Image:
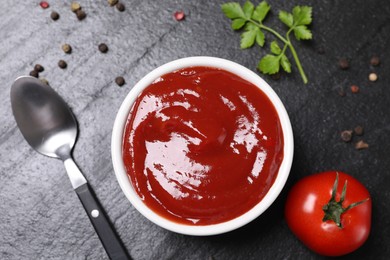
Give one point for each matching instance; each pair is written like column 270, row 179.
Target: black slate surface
column 41, row 217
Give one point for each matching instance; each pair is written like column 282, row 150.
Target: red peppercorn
column 179, row 15
column 44, row 4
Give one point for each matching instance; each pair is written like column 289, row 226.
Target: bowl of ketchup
column 202, row 146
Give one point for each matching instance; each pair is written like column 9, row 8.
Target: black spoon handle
column 110, row 240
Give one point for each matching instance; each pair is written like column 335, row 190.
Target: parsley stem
column 287, row 42
column 297, row 61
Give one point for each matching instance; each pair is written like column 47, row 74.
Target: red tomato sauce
column 202, row 146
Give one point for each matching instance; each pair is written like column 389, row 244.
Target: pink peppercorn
column 354, row 89
column 179, row 15
column 44, row 4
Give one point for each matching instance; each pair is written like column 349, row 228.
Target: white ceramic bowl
column 118, row 131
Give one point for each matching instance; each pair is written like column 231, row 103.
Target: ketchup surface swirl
column 202, row 146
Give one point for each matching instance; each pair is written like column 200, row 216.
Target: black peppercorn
column 80, row 14
column 343, row 63
column 62, row 64
column 54, row 15
column 120, row 7
column 120, row 81
column 103, row 48
column 359, row 130
column 34, row 73
column 375, row 61
column 39, row 68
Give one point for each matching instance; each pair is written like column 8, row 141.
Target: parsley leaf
column 269, row 64
column 286, row 18
column 261, row 11
column 275, row 49
column 302, row 15
column 285, row 63
column 248, row 38
column 250, row 18
column 302, row 33
column 248, row 8
column 238, row 23
column 233, row 10
column 260, row 38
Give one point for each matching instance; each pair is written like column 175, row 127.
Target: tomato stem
column 333, row 209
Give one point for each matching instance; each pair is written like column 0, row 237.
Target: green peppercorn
column 67, row 48
column 75, row 7
column 44, row 81
column 112, row 2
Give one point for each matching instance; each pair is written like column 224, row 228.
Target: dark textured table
column 40, row 215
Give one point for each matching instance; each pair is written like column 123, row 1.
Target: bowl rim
column 201, row 230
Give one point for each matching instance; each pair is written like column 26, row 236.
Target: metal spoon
column 49, row 126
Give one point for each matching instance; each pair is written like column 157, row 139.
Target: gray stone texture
column 40, row 215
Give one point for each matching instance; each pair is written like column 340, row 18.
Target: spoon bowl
column 43, row 117
column 48, row 125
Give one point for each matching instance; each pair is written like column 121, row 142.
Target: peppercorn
column 66, row 48
column 346, row 135
column 62, row 64
column 44, row 81
column 359, row 130
column 75, row 7
column 80, row 14
column 354, row 89
column 120, row 7
column 54, row 16
column 120, row 81
column 44, row 4
column 39, row 68
column 112, row 2
column 373, row 77
column 34, row 73
column 375, row 61
column 361, row 145
column 179, row 15
column 103, row 48
column 343, row 63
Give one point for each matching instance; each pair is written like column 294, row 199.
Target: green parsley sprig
column 250, row 19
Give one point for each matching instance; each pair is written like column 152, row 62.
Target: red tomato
column 305, row 210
